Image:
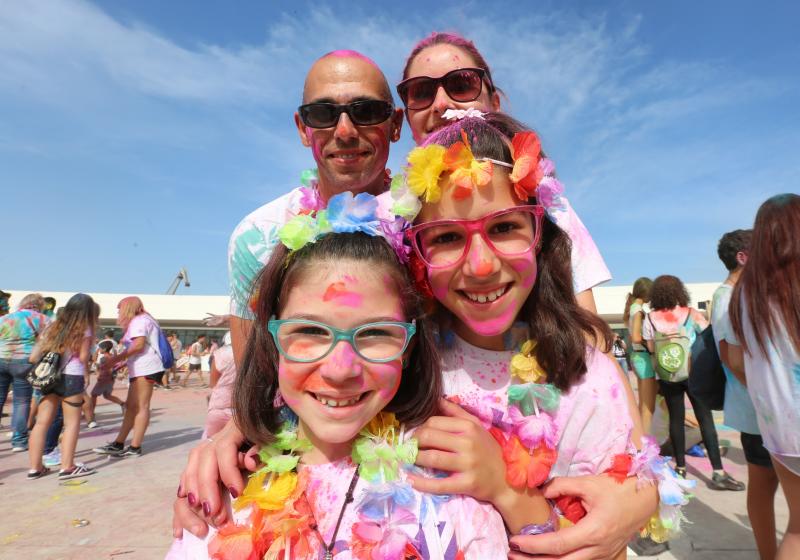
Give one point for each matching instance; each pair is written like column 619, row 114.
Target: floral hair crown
column 346, row 213
column 531, row 173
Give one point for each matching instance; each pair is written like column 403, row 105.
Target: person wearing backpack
column 669, row 331
column 66, row 345
column 142, row 340
column 740, row 414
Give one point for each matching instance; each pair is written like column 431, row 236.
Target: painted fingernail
column 207, row 508
column 513, row 546
column 233, row 492
column 192, row 499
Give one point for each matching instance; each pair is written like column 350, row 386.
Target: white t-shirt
column 592, row 420
column 634, row 309
column 194, row 353
column 148, row 360
column 254, row 239
column 739, row 412
column 773, row 381
column 74, row 364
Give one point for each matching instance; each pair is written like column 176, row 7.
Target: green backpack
column 673, row 352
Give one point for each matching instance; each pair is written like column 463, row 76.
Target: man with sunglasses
column 348, row 120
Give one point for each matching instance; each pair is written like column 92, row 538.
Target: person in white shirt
column 145, row 369
column 766, row 341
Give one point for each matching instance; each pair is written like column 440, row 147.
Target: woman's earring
column 404, row 363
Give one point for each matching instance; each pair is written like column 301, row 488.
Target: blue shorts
column 642, row 365
column 67, row 386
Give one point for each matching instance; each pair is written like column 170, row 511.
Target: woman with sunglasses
column 446, row 71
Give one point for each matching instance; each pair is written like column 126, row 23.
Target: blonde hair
column 34, row 302
column 69, row 329
column 129, row 308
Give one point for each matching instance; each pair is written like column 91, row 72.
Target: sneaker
column 725, row 481
column 109, row 448
column 19, row 448
column 77, row 471
column 696, row 451
column 33, row 475
column 92, row 424
column 645, row 546
column 127, row 452
column 52, row 459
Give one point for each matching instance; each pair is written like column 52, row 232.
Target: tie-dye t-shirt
column 592, row 422
column 256, row 235
column 773, row 381
column 18, row 332
column 452, row 528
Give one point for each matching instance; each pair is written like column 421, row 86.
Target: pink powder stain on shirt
column 338, row 293
column 615, row 388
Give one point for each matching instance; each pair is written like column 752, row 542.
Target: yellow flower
column 425, row 168
column 525, row 366
column 273, row 497
column 383, row 426
column 466, row 172
column 655, row 530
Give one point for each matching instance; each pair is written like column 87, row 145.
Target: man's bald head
column 346, row 67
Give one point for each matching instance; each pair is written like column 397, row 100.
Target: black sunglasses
column 462, row 85
column 326, row 115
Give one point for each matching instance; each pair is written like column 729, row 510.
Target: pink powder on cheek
column 525, row 265
column 385, row 378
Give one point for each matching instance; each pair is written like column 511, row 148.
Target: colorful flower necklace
column 282, row 524
column 529, row 451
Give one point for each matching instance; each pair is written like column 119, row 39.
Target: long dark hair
column 770, row 282
column 257, row 382
column 69, row 329
column 560, row 326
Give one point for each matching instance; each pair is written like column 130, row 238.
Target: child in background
column 105, row 378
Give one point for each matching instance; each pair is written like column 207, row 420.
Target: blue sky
column 135, row 134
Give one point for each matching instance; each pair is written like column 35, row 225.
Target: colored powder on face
column 492, row 327
column 336, row 292
column 484, row 268
column 342, row 360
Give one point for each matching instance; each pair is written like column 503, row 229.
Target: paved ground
column 128, row 503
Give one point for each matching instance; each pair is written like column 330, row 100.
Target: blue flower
column 349, row 214
column 380, row 499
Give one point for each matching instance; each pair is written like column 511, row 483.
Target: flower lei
column 345, row 213
column 281, row 522
column 529, row 451
column 531, row 174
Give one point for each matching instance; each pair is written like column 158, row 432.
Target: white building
column 185, row 313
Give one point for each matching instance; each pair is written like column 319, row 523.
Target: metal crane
column 183, row 275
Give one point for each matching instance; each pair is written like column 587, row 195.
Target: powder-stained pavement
column 128, row 503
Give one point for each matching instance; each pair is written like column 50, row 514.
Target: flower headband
column 346, row 213
column 531, row 174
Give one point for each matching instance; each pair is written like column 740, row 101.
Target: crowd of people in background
column 46, row 423
column 756, row 331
